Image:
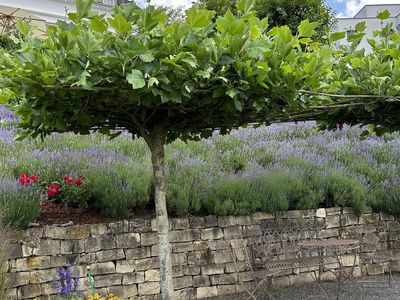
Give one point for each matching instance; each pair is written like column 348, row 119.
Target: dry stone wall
column 122, row 256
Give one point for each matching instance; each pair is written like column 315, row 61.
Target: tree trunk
column 156, row 143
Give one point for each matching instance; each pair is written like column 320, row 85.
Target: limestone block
column 222, row 256
column 320, row 213
column 125, row 266
column 200, row 258
column 98, row 229
column 103, row 268
column 226, row 289
column 385, row 217
column 201, row 280
column 124, row 291
column 17, row 279
column 88, row 258
column 326, row 233
column 55, row 232
column 139, row 226
column 149, row 288
column 374, row 269
column 211, row 221
column 212, row 269
column 47, row 247
column 132, row 278
column 281, row 281
column 33, row 263
column 72, row 247
column 178, row 259
column 11, row 294
column 149, row 239
column 187, row 294
column 260, row 216
column 301, row 279
column 92, row 244
column 128, row 240
column 224, row 279
column 182, row 247
column 116, row 227
column 177, row 271
column 183, row 282
column 294, row 214
column 64, row 260
column 233, row 231
column 79, row 232
column 184, row 235
column 333, row 211
column 393, row 225
column 138, row 253
column 191, row 270
column 152, row 275
column 201, row 245
column 179, row 223
column 212, row 234
column 29, row 291
column 147, row 263
column 332, row 222
column 217, row 245
column 41, row 276
column 197, row 222
column 110, row 255
column 107, row 280
column 204, row 292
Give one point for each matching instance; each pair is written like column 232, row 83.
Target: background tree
column 133, row 72
column 284, row 12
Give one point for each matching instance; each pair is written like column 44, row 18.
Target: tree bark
column 156, row 141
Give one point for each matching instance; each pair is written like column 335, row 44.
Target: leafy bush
column 386, row 199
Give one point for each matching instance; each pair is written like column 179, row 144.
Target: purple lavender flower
column 65, row 284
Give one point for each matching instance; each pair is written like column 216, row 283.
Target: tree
column 284, row 12
column 184, row 80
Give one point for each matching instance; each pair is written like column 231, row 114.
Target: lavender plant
column 66, row 284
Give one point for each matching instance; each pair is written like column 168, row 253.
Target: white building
column 368, row 14
column 47, row 10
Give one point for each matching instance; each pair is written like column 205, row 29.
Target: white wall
column 50, row 10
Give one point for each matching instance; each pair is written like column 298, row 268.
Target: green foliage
column 19, row 205
column 386, row 199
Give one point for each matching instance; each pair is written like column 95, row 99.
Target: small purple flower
column 65, row 284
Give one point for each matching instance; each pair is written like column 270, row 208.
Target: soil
column 78, row 216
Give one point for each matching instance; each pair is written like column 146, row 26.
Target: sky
column 343, row 8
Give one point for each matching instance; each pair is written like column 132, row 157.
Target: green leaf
column 147, row 57
column 83, row 80
column 360, row 27
column 82, row 8
column 255, row 32
column 3, row 99
column 203, row 73
column 238, row 104
column 196, row 17
column 120, row 25
column 136, row 79
column 337, row 36
column 98, row 25
column 153, row 81
column 383, row 15
column 231, row 93
column 190, row 62
column 22, row 27
column 306, row 29
column 245, row 6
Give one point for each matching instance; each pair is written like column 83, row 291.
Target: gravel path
column 311, row 291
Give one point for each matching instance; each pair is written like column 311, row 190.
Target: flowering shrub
column 66, row 284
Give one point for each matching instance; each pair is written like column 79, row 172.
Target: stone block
column 107, row 280
column 224, row 279
column 208, row 291
column 107, row 242
column 201, row 245
column 226, row 289
column 132, row 278
column 72, row 247
column 47, row 247
column 212, row 234
column 184, row 235
column 110, row 255
column 11, row 294
column 212, row 269
column 147, row 263
column 369, row 218
column 385, row 217
column 88, row 258
column 187, row 294
column 128, row 240
column 349, row 259
column 281, row 281
column 332, row 222
column 62, row 261
column 124, row 291
column 17, row 279
column 211, row 221
column 333, row 211
column 27, row 250
column 139, row 225
column 33, row 263
column 149, row 288
column 374, row 269
column 200, row 258
column 191, row 270
column 177, row 271
column 320, row 213
column 92, row 244
column 260, row 216
column 41, row 276
column 29, row 291
column 149, row 239
column 79, row 232
column 327, row 233
column 98, row 229
column 178, row 259
column 294, row 214
column 233, row 231
column 226, row 221
column 197, row 222
column 55, row 232
column 116, row 227
column 138, row 253
column 201, row 280
column 393, row 225
column 152, row 275
column 179, row 223
column 183, row 282
column 102, row 268
column 125, row 266
column 182, row 247
column 217, row 245
column 222, row 256
column 301, row 279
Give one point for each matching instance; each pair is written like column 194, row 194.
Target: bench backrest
column 277, row 240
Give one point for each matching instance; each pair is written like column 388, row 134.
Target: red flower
column 51, row 193
column 71, row 181
column 78, row 182
column 33, row 178
column 22, row 178
column 65, row 177
column 55, row 187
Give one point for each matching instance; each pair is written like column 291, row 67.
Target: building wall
column 123, row 258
